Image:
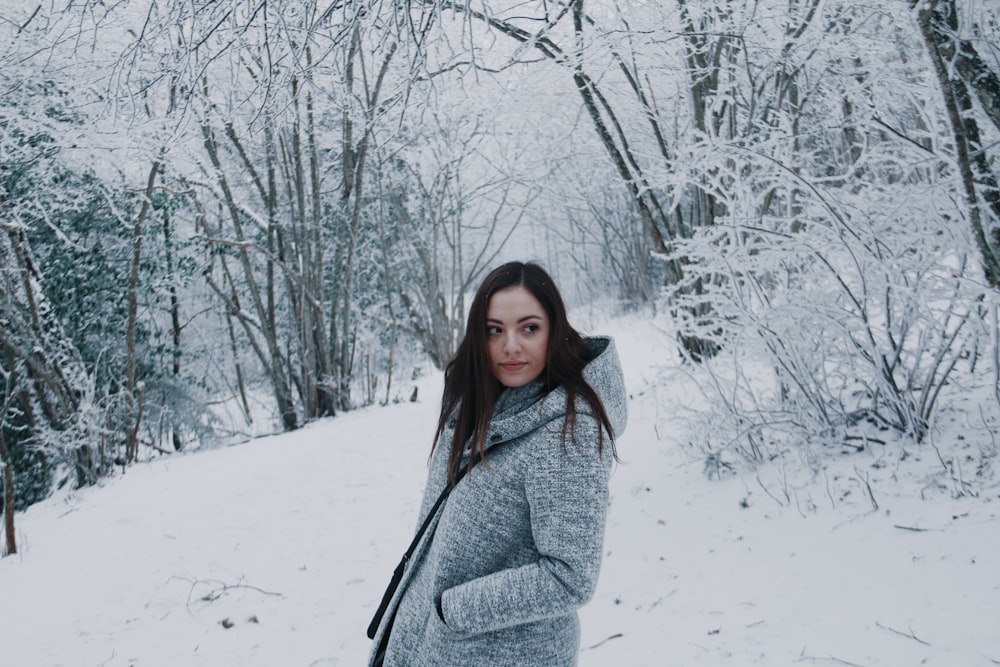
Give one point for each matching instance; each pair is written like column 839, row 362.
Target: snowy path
column 291, row 539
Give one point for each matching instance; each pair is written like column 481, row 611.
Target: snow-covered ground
column 275, row 552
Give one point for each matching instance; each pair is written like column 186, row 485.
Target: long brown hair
column 469, row 384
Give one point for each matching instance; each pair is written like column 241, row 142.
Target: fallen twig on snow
column 217, row 592
column 840, row 661
column 868, row 487
column 606, row 640
column 904, row 634
column 912, row 528
column 768, row 492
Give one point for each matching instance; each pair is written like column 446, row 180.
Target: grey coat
column 517, row 546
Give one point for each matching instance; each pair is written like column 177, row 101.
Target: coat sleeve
column 566, row 486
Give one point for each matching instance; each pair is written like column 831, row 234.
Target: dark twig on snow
column 831, row 658
column 217, row 592
column 768, row 492
column 606, row 640
column 913, row 528
column 868, row 487
column 903, row 634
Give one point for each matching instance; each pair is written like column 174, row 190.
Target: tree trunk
column 175, row 317
column 272, row 360
column 134, row 418
column 323, row 365
column 9, row 490
column 939, row 23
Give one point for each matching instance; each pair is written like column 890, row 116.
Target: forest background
column 225, row 218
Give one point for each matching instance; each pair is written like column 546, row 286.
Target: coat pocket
column 444, row 647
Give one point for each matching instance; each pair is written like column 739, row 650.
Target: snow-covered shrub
column 834, row 326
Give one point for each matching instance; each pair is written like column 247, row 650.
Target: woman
column 516, row 547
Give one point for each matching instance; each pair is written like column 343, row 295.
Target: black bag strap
column 397, row 574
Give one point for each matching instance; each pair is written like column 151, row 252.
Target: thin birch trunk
column 9, row 489
column 133, row 419
column 273, row 360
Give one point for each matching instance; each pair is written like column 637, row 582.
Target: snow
column 289, row 540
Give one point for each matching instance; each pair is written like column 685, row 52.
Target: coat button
column 496, row 437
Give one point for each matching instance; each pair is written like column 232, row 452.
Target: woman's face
column 517, row 336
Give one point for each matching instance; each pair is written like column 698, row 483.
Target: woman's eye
column 531, row 328
column 492, row 331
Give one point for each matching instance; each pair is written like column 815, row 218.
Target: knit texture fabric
column 517, row 546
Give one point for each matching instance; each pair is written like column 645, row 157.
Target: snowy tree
column 964, row 77
column 839, row 275
column 227, row 218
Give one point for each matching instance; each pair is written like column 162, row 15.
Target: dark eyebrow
column 520, row 321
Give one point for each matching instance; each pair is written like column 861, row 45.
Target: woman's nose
column 510, row 342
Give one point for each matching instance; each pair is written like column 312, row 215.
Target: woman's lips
column 513, row 365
